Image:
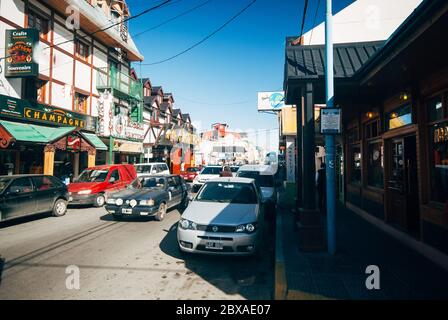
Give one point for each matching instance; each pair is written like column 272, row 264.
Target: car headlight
column 85, row 192
column 187, row 224
column 133, row 203
column 149, row 202
column 111, row 201
column 119, row 202
column 249, row 227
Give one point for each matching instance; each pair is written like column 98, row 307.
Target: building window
column 399, row 117
column 41, row 86
column 355, row 163
column 40, row 23
column 439, row 162
column 435, row 108
column 375, row 152
column 82, row 50
column 375, row 165
column 81, row 103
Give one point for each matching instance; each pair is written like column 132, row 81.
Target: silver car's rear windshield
column 228, row 192
column 211, row 170
column 264, row 181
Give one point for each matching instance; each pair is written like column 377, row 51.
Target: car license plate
column 126, row 211
column 215, row 245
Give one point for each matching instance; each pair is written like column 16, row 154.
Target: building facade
column 393, row 97
column 79, row 71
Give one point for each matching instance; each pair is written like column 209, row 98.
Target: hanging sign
column 21, row 48
column 330, row 120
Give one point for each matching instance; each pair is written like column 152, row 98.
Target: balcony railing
column 113, row 79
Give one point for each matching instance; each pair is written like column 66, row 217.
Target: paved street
column 131, row 259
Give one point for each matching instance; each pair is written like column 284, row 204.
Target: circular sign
column 276, row 100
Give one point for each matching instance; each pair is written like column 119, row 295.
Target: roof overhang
column 92, row 19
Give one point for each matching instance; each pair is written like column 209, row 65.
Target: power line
column 204, row 39
column 110, row 26
column 304, row 17
column 213, row 104
column 171, row 19
column 314, row 22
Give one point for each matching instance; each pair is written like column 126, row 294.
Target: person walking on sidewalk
column 321, row 187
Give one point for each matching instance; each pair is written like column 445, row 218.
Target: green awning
column 35, row 133
column 94, row 140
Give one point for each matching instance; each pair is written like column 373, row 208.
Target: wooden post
column 91, row 158
column 49, row 159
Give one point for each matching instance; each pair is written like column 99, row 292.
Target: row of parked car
column 225, row 216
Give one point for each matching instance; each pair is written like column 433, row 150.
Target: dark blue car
column 149, row 196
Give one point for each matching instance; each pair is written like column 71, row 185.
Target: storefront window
column 81, row 103
column 399, row 117
column 375, row 167
column 355, row 168
column 439, row 155
column 435, row 109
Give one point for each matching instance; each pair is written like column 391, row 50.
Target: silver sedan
column 225, row 217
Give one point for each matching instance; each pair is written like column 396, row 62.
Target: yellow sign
column 54, row 116
column 288, row 121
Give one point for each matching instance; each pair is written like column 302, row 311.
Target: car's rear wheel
column 99, row 200
column 161, row 213
column 59, row 208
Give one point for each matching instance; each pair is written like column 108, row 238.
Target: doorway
column 402, row 185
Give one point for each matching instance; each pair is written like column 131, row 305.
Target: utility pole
column 329, row 138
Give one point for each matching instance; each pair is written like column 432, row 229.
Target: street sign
column 330, row 120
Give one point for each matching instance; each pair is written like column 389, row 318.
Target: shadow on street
column 251, row 277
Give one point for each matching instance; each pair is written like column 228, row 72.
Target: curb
column 281, row 287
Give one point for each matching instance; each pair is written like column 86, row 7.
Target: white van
column 152, row 168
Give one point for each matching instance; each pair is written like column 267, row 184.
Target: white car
column 153, row 168
column 264, row 176
column 207, row 173
column 225, row 217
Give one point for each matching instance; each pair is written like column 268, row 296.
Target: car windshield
column 148, row 183
column 3, row 183
column 143, row 169
column 211, row 170
column 263, row 181
column 234, row 169
column 228, row 192
column 93, row 176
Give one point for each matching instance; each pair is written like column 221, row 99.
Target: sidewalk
column 404, row 274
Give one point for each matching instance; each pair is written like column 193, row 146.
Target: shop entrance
column 402, row 185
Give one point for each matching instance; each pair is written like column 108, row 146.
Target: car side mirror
column 190, row 197
column 111, row 180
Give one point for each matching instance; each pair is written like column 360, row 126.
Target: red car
column 190, row 174
column 93, row 183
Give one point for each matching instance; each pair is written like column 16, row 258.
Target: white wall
column 364, row 20
column 82, row 76
column 13, row 10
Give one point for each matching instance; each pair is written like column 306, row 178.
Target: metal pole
column 329, row 139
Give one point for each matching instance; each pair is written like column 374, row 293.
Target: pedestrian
column 226, row 172
column 321, row 187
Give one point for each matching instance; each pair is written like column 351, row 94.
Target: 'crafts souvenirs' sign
column 21, row 50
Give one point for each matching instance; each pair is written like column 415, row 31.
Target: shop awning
column 95, row 141
column 35, row 133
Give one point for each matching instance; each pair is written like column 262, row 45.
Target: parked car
column 207, row 173
column 225, row 217
column 264, row 177
column 190, row 174
column 93, row 184
column 22, row 195
column 149, row 195
column 153, row 168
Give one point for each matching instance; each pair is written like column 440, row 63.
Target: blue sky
column 218, row 81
